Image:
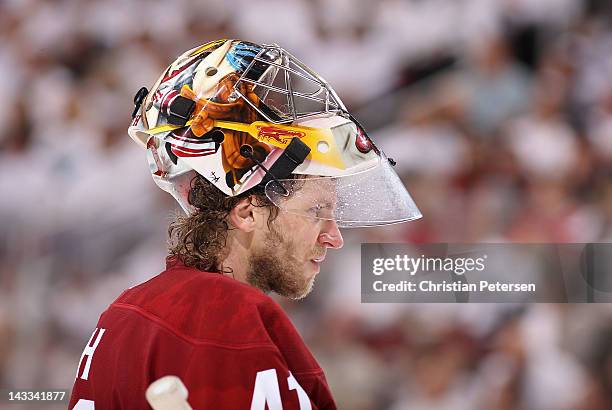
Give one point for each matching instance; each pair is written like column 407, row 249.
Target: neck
column 236, row 256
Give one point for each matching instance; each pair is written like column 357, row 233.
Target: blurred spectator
column 498, row 85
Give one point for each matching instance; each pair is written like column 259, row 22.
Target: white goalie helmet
column 248, row 116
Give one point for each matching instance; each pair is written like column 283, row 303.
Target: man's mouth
column 318, row 259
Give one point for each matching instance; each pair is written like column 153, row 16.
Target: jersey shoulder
column 205, row 307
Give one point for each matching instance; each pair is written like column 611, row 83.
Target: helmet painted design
column 244, row 115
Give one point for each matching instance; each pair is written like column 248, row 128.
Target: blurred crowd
column 498, row 113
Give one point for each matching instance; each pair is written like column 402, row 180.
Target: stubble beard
column 275, row 268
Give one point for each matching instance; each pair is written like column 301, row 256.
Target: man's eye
column 315, row 210
column 321, row 211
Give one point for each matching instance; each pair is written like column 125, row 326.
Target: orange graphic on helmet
column 206, row 112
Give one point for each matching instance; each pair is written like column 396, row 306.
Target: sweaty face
column 290, row 252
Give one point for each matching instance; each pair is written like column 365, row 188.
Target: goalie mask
column 247, row 116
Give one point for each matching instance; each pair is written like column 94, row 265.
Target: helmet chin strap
column 294, row 154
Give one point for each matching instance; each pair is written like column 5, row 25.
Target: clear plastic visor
column 372, row 197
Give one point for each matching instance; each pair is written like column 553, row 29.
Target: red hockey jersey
column 232, row 346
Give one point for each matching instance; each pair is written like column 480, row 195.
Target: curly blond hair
column 199, row 239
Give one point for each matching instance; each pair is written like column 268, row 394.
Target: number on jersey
column 267, row 391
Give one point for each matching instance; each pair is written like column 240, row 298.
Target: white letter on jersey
column 266, row 391
column 302, row 396
column 89, row 351
column 84, row 405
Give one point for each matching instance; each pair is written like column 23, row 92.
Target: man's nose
column 330, row 235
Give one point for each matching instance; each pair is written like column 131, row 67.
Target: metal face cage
column 287, row 89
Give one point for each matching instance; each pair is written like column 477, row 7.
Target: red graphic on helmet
column 182, row 145
column 362, row 142
column 279, row 135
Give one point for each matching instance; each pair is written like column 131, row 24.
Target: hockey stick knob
column 168, row 393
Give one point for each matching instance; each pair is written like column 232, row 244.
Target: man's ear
column 242, row 215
